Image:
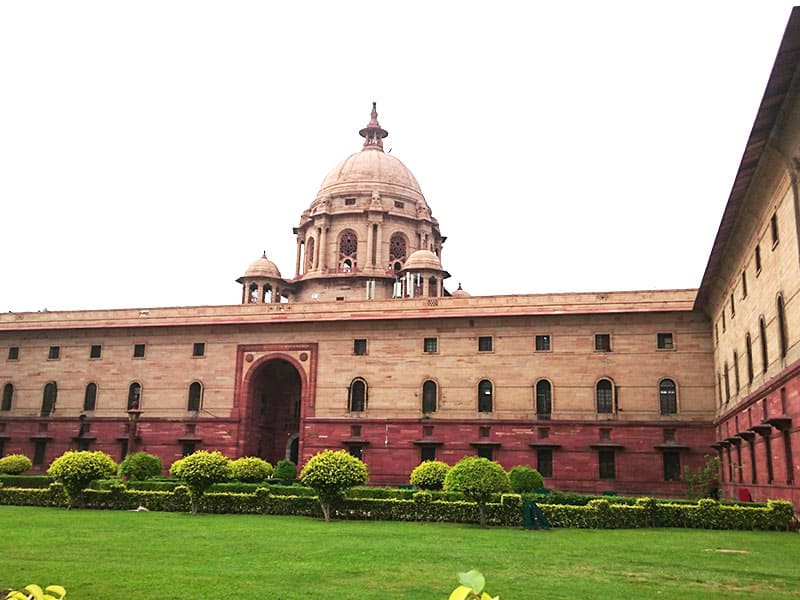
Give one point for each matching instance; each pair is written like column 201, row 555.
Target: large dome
column 370, row 166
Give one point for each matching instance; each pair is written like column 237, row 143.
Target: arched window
column 433, row 287
column 90, row 397
column 195, row 396
column 309, row 254
column 485, row 394
column 357, row 395
column 668, row 397
column 8, row 395
column 604, row 393
column 252, row 296
column 429, row 396
column 782, row 335
column 398, row 249
column 348, row 250
column 726, row 377
column 762, row 331
column 49, row 398
column 134, row 396
column 736, row 371
column 748, row 346
column 544, row 399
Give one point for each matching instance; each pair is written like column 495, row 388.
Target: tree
column 704, row 481
column 477, row 478
column 140, row 466
column 330, row 473
column 15, row 464
column 251, row 469
column 285, row 471
column 525, row 479
column 76, row 470
column 429, row 475
column 199, row 471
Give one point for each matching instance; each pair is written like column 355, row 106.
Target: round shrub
column 285, row 471
column 15, row 464
column 525, row 479
column 429, row 475
column 477, row 478
column 201, row 470
column 76, row 470
column 250, row 469
column 330, row 473
column 140, row 466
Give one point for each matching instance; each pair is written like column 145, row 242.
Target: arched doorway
column 273, row 416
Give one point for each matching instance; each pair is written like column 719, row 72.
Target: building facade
column 368, row 347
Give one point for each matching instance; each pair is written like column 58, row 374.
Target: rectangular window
column 39, row 451
column 758, row 259
column 54, row 353
column 723, row 320
column 773, row 225
column 542, row 343
column 138, row 351
column 733, row 307
column 608, row 467
column 355, row 431
column 544, row 462
column 602, row 342
column 83, row 445
column 398, row 204
column 427, row 453
column 95, row 351
column 669, row 435
column 198, row 349
column 356, row 451
column 13, row 353
column 672, row 466
column 664, row 341
column 431, row 345
column 486, row 452
column 360, row 347
column 349, row 201
column 485, row 343
column 187, row 448
column 744, row 285
column 123, row 450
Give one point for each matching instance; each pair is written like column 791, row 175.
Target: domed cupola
column 422, row 275
column 460, row 293
column 262, row 282
column 366, row 220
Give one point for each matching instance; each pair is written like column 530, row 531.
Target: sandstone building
column 367, row 346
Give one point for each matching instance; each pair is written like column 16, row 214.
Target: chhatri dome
column 367, row 235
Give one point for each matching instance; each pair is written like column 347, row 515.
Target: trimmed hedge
column 599, row 513
column 26, row 481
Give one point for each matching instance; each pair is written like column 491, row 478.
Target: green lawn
column 110, row 554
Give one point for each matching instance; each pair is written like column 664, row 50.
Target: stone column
column 370, row 242
column 297, row 259
column 322, row 252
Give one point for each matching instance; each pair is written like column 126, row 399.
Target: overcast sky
column 150, row 151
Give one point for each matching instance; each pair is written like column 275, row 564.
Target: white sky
column 149, row 151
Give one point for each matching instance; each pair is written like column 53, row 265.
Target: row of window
column 723, row 379
column 542, row 343
column 96, row 351
column 605, row 397
column 757, row 262
column 50, row 395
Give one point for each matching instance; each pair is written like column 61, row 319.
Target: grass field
column 103, row 555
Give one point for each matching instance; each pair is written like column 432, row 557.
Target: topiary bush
column 330, row 473
column 525, row 479
column 140, row 466
column 429, row 475
column 477, row 478
column 76, row 470
column 199, row 471
column 15, row 464
column 285, row 471
column 251, row 469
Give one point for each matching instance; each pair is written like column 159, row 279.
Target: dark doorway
column 273, row 419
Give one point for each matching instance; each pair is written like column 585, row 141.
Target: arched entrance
column 273, row 415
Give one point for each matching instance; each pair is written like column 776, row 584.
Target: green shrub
column 76, row 470
column 251, row 469
column 525, row 479
column 285, row 471
column 199, row 471
column 477, row 478
column 330, row 473
column 15, row 464
column 429, row 475
column 140, row 466
column 26, row 481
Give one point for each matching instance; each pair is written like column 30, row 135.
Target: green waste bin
column 533, row 517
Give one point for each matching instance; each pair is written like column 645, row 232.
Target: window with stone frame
column 748, row 347
column 429, row 396
column 187, row 448
column 398, row 250
column 762, row 330
column 356, row 451
column 138, row 350
column 13, row 353
column 668, row 398
column 198, row 349
column 54, row 353
column 773, row 226
column 8, row 396
column 664, row 341
column 485, row 396
column 485, row 343
column 486, row 452
column 360, row 346
column 95, row 351
column 357, row 395
column 430, row 345
column 134, row 396
column 542, row 343
column 195, row 398
column 39, row 452
column 90, row 397
column 348, row 250
column 544, row 399
column 49, row 397
column 544, row 461
column 309, row 249
column 602, row 342
column 607, row 463
column 672, row 465
column 782, row 338
column 427, row 453
column 604, row 393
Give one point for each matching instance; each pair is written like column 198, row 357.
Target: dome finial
column 373, row 133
